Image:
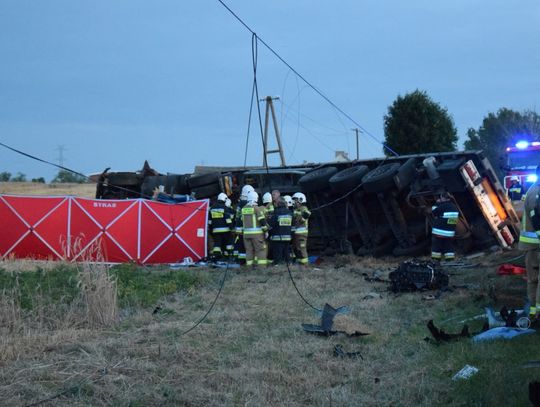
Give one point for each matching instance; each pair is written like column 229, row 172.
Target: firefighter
column 239, row 248
column 268, row 205
column 445, row 218
column 230, row 213
column 254, row 227
column 515, row 192
column 220, row 223
column 529, row 242
column 301, row 220
column 288, row 200
column 280, row 232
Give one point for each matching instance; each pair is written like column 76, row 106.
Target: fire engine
column 522, row 159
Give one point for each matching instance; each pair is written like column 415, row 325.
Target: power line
column 319, row 92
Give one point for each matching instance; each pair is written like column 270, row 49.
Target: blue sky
column 118, row 82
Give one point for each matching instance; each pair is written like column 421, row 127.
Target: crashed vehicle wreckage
column 369, row 207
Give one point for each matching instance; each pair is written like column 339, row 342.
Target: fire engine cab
column 522, row 159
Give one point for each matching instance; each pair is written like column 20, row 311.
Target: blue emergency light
column 522, row 144
column 532, row 178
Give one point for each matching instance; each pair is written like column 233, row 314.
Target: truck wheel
column 202, row 180
column 206, row 191
column 317, row 179
column 381, row 178
column 348, row 179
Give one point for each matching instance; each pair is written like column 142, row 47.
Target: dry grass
column 36, row 188
column 252, row 351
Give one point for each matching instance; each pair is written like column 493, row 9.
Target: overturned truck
column 369, row 207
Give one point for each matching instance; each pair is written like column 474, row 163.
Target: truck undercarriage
column 368, row 207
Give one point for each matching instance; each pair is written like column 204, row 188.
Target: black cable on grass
column 71, row 389
column 222, row 284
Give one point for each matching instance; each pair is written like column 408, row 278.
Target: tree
column 501, row 129
column 20, row 177
column 65, row 176
column 39, row 180
column 416, row 124
column 5, row 176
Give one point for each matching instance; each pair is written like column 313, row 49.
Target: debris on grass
column 465, row 373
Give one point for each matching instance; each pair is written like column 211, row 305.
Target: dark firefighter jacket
column 219, row 218
column 445, row 219
column 281, row 224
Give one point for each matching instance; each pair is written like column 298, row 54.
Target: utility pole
column 270, row 108
column 357, row 130
column 60, row 149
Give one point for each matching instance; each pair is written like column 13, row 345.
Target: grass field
column 34, row 188
column 128, row 348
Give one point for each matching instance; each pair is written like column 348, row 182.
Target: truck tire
column 202, row 180
column 348, row 179
column 381, row 178
column 206, row 191
column 317, row 179
column 123, row 179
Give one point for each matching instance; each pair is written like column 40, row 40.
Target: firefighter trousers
column 442, row 248
column 300, row 248
column 222, row 244
column 280, row 251
column 255, row 249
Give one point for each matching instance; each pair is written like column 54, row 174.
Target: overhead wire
column 319, row 92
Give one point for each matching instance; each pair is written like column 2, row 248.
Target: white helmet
column 222, row 197
column 252, row 197
column 514, row 178
column 267, row 197
column 288, row 199
column 300, row 196
column 245, row 190
column 228, row 203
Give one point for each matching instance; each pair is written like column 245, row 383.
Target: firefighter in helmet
column 220, row 223
column 239, row 248
column 254, row 227
column 515, row 192
column 268, row 204
column 445, row 218
column 301, row 221
column 280, row 232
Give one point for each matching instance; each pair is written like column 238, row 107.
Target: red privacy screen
column 114, row 231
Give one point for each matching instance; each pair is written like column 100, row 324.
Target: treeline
column 63, row 176
column 417, row 124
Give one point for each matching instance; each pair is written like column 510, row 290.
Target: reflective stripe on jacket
column 301, row 220
column 252, row 216
column 446, row 216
